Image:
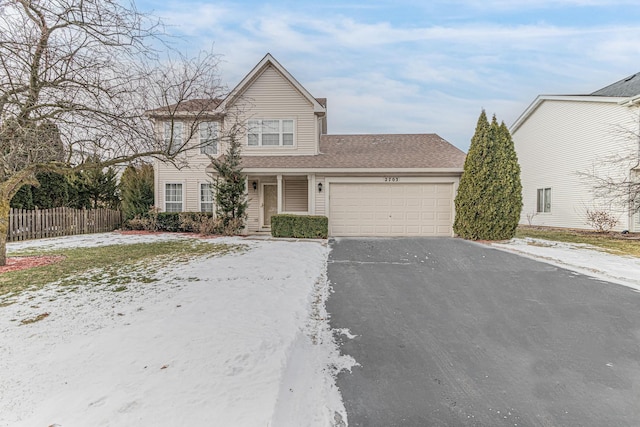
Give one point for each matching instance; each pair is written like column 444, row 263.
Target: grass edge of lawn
column 607, row 242
column 109, row 266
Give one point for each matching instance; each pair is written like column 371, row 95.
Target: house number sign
column 391, row 179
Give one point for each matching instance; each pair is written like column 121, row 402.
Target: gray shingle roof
column 370, row 151
column 626, row 87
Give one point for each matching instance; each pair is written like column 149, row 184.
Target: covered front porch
column 271, row 194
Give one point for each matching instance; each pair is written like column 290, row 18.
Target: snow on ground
column 234, row 340
column 585, row 259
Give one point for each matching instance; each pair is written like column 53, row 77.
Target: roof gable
column 254, row 74
column 566, row 98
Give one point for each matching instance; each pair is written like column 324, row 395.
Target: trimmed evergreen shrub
column 300, row 226
column 136, row 190
column 489, row 199
column 169, row 221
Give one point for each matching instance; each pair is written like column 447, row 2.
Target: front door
column 270, row 194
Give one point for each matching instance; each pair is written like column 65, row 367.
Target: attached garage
column 367, row 185
column 391, row 209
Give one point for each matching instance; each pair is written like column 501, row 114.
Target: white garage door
column 393, row 209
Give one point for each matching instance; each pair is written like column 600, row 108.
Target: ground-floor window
column 173, row 198
column 206, row 197
column 544, row 200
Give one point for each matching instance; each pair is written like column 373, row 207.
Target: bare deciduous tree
column 82, row 78
column 614, row 179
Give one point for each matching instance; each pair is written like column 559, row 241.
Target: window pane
column 540, row 201
column 287, row 126
column 166, row 132
column 287, row 139
column 173, row 197
column 206, row 198
column 174, row 207
column 271, row 126
column 208, row 138
column 270, row 139
column 206, row 194
column 547, row 200
column 177, row 134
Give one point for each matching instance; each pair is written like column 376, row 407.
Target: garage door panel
column 392, row 209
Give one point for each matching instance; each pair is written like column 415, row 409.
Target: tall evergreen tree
column 23, row 198
column 229, row 187
column 489, row 199
column 136, row 190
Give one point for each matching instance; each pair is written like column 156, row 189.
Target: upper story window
column 208, row 132
column 272, row 132
column 172, row 134
column 544, row 200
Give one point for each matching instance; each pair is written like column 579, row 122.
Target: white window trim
column 214, row 141
column 183, row 194
column 213, row 201
column 544, row 200
column 281, row 133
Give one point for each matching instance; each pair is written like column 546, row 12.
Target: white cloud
column 386, row 77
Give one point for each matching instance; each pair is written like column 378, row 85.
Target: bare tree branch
column 80, row 79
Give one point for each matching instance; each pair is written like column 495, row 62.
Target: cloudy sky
column 418, row 66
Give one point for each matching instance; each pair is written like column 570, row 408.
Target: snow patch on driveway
column 582, row 258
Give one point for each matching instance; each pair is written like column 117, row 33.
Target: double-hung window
column 208, row 132
column 172, row 135
column 544, row 200
column 270, row 132
column 206, row 197
column 173, row 197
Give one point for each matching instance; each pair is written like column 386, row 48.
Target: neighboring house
column 367, row 185
column 568, row 145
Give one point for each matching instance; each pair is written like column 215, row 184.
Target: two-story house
column 367, row 185
column 580, row 153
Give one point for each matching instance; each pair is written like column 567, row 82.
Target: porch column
column 311, row 204
column 279, row 178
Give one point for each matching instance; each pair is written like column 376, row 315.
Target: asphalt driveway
column 453, row 333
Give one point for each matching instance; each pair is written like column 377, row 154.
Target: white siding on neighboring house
column 271, row 96
column 560, row 140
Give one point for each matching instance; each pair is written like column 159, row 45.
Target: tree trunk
column 5, row 209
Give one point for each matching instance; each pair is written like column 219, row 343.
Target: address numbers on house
column 391, row 179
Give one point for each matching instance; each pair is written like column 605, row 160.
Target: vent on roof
column 630, row 77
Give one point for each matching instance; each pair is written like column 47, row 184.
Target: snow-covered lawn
column 235, row 340
column 586, row 259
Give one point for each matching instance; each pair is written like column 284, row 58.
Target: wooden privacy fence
column 40, row 223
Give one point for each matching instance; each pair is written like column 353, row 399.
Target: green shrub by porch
column 300, row 226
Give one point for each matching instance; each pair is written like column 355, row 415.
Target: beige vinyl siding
column 320, row 196
column 296, row 195
column 191, row 178
column 253, row 205
column 271, row 96
column 562, row 138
